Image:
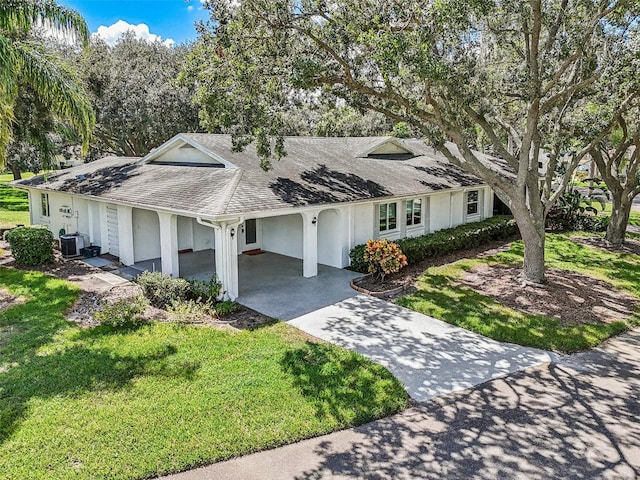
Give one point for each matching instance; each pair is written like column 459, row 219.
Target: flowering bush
column 383, row 257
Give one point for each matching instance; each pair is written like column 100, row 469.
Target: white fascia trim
column 182, row 139
column 328, row 206
column 141, row 206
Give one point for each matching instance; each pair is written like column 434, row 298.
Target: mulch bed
column 408, row 275
column 630, row 246
column 573, row 298
column 91, row 300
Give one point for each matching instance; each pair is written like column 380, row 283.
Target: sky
column 170, row 21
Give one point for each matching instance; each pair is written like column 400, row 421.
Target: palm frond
column 57, row 87
column 23, row 15
column 7, row 91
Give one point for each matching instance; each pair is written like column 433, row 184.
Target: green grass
column 138, row 402
column 440, row 296
column 634, row 215
column 14, row 203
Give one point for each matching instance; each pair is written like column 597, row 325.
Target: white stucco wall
column 283, row 235
column 330, row 238
column 203, row 237
column 364, row 220
column 439, row 209
column 77, row 222
column 146, row 234
column 95, row 226
column 185, row 233
column 458, row 208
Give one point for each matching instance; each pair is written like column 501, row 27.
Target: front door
column 251, row 235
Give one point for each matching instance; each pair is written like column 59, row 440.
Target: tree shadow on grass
column 343, row 385
column 441, row 298
column 36, row 365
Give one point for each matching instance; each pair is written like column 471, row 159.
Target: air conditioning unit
column 71, row 245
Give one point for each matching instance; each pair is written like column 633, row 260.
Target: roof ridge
column 231, row 188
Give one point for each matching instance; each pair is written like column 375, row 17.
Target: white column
column 347, row 220
column 169, row 243
column 125, row 234
column 310, row 243
column 226, row 251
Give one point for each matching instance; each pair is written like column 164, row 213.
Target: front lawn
column 441, row 295
column 138, row 402
column 14, row 203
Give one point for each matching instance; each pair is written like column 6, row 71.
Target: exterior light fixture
column 233, row 232
column 315, row 220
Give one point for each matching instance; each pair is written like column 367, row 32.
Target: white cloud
column 190, row 7
column 112, row 33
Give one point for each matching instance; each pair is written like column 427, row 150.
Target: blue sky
column 168, row 19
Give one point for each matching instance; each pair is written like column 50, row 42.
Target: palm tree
column 27, row 62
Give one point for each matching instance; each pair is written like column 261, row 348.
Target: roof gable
column 386, row 146
column 183, row 150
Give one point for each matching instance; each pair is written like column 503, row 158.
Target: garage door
column 112, row 230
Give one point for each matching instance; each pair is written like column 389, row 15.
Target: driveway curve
column 430, row 357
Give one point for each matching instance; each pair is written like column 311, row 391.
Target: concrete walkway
column 575, row 419
column 429, row 357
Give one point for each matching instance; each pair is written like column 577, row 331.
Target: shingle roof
column 314, row 171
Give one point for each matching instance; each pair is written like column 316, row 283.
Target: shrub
column 356, row 256
column 445, row 241
column 581, row 222
column 31, row 246
column 124, row 312
column 188, row 311
column 384, row 257
column 162, row 290
column 226, row 308
column 573, row 211
column 206, row 292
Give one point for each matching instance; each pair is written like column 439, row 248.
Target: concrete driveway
column 429, row 357
column 273, row 284
column 578, row 418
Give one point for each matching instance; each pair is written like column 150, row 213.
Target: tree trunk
column 533, row 237
column 16, row 171
column 617, row 229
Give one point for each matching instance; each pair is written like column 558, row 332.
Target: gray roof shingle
column 314, row 171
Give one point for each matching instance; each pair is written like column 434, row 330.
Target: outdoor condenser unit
column 71, row 245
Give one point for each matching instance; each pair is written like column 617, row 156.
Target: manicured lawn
column 441, row 297
column 14, row 203
column 137, row 402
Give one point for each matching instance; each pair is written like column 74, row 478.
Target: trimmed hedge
column 445, row 241
column 31, row 245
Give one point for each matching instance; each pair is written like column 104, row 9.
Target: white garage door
column 112, row 230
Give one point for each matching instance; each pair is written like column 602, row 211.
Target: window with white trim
column 44, row 204
column 472, row 202
column 388, row 216
column 414, row 212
